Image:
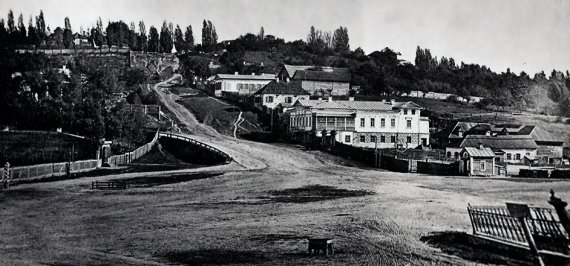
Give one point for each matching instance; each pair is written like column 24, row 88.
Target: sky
column 523, row 35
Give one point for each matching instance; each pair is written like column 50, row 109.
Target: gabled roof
column 314, row 75
column 307, row 103
column 292, row 87
column 407, row 105
column 246, row 77
column 292, row 70
column 499, row 142
column 479, row 152
column 465, row 126
column 367, row 105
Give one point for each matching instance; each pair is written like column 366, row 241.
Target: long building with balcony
column 368, row 124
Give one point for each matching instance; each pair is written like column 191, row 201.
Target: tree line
column 117, row 33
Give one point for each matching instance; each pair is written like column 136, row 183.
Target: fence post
column 6, row 176
column 522, row 213
column 560, row 207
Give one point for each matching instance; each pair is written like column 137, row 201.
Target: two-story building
column 240, row 84
column 319, row 81
column 281, row 93
column 369, row 124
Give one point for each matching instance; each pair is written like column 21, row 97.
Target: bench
column 325, row 245
column 109, row 185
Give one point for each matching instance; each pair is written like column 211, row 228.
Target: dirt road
column 258, row 210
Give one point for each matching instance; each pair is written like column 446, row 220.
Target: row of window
column 300, row 121
column 383, row 122
column 269, row 99
column 413, row 111
column 250, row 87
column 382, row 139
column 517, row 156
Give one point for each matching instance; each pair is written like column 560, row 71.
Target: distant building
column 514, row 143
column 442, row 96
column 240, row 84
column 281, row 93
column 360, row 123
column 321, row 81
column 477, row 161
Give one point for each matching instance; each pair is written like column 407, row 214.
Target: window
column 372, row 122
column 405, row 111
column 413, row 111
column 288, row 99
column 482, row 165
column 382, row 122
column 528, row 154
column 409, row 123
column 362, row 122
column 373, row 139
column 240, row 86
column 509, row 156
column 393, row 139
column 409, row 139
column 448, row 154
column 347, row 139
column 382, row 138
column 518, row 156
column 456, row 154
column 269, row 99
column 393, row 122
column 362, row 138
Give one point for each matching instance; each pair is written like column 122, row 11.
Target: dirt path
column 258, row 210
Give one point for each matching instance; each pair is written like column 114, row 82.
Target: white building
column 240, row 84
column 283, row 94
column 360, row 123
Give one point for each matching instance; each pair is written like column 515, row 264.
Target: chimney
column 330, row 99
column 480, row 145
column 236, row 73
column 351, row 99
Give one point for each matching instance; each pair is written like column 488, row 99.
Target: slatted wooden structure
column 109, row 185
column 496, row 222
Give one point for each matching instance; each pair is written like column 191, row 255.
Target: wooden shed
column 477, row 161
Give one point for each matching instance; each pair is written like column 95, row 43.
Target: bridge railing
column 197, row 143
column 129, row 157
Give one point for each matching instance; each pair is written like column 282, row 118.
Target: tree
column 165, row 39
column 21, row 30
column 67, row 34
column 340, row 40
column 33, row 35
column 153, row 40
column 142, row 37
column 189, row 38
column 179, row 42
column 133, row 38
column 261, row 34
column 209, row 36
column 41, row 28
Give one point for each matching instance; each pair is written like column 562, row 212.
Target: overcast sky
column 525, row 35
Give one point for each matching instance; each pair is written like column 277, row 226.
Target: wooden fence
column 128, row 157
column 40, row 171
column 496, row 222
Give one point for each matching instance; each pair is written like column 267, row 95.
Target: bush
column 560, row 174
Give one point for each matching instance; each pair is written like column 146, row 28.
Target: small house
column 283, row 94
column 479, row 161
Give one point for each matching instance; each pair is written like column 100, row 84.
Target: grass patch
column 152, row 181
column 214, row 257
column 314, row 193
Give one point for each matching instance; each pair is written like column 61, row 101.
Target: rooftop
column 274, row 87
column 322, row 76
column 246, row 77
column 479, row 152
column 499, row 142
column 292, row 70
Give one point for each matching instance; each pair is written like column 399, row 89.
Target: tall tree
column 209, row 36
column 179, row 43
column 261, row 34
column 41, row 27
column 21, row 30
column 33, row 37
column 166, row 43
column 340, row 40
column 133, row 42
column 11, row 23
column 153, row 40
column 67, row 34
column 189, row 38
column 142, row 37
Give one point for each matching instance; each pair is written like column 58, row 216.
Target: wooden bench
column 321, row 244
column 109, row 185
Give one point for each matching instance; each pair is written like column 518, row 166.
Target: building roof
column 246, row 77
column 307, row 103
column 292, row 70
column 314, row 75
column 465, row 126
column 479, row 152
column 499, row 142
column 407, row 105
column 274, row 87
